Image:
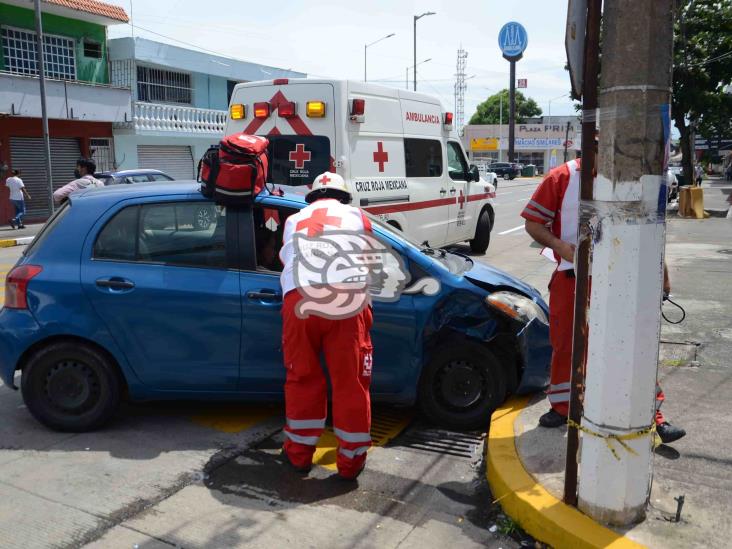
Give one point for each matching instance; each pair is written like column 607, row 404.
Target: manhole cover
column 440, row 441
column 727, row 251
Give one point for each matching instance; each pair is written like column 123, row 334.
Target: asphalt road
column 208, row 475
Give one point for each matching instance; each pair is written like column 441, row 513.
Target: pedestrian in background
column 84, row 173
column 698, row 174
column 18, row 196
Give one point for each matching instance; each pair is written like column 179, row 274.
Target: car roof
column 114, row 193
column 142, row 171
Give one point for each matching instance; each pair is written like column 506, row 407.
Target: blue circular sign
column 513, row 39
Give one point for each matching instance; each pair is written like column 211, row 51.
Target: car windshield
column 457, row 264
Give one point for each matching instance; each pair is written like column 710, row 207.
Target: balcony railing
column 157, row 117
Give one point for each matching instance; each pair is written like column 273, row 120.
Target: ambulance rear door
column 299, row 119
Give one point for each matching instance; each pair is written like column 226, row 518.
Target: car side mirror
column 474, row 173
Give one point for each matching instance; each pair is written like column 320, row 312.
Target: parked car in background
column 673, row 185
column 154, row 310
column 132, row 176
column 507, row 170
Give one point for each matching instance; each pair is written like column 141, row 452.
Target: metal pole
column 500, row 126
column 44, row 112
column 511, row 111
column 566, row 139
column 406, row 79
column 414, row 69
column 581, row 301
column 364, row 63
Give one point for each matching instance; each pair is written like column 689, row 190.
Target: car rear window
column 48, row 228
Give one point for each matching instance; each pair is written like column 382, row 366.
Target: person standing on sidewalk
column 84, row 173
column 698, row 174
column 323, row 312
column 552, row 217
column 18, row 196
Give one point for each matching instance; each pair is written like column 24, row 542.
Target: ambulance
column 396, row 149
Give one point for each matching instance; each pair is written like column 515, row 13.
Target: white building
column 540, row 141
column 179, row 102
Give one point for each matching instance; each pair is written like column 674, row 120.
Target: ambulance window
column 423, row 157
column 456, row 165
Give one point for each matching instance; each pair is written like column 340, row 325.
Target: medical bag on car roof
column 233, row 172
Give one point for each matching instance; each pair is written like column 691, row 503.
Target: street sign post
column 574, row 43
column 522, row 83
column 512, row 39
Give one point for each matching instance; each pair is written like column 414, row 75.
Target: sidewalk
column 695, row 373
column 13, row 237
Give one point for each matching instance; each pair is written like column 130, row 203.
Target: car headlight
column 516, row 307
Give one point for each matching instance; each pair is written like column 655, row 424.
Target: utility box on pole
column 628, row 230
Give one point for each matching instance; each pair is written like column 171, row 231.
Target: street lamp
column 417, row 18
column 417, row 65
column 554, row 99
column 365, row 46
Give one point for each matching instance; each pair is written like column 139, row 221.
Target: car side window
column 269, row 226
column 169, row 233
column 159, row 177
column 423, row 157
column 457, row 167
column 137, row 179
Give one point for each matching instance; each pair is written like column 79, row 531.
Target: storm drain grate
column 440, row 441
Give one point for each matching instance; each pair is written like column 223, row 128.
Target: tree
column 488, row 112
column 702, row 70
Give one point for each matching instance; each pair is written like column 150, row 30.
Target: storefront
column 543, row 142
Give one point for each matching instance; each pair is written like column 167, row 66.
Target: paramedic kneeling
column 327, row 309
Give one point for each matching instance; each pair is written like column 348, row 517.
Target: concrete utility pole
column 628, row 213
column 40, row 63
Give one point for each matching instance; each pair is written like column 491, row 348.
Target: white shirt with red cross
column 322, row 216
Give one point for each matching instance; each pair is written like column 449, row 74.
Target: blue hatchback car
column 121, row 296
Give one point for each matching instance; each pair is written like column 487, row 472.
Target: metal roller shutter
column 27, row 154
column 176, row 161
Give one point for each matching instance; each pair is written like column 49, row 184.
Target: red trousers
column 346, row 345
column 561, row 328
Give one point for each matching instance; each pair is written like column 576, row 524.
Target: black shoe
column 21, row 226
column 552, row 419
column 301, row 470
column 352, row 477
column 12, row 223
column 669, row 433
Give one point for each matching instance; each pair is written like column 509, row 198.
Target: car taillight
column 16, row 286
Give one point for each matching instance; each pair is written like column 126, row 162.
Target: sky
column 325, row 38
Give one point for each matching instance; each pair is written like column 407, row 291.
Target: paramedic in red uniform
column 344, row 341
column 551, row 220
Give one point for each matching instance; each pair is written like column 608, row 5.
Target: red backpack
column 234, row 171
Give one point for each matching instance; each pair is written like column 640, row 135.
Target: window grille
column 92, row 49
column 162, row 86
column 19, row 52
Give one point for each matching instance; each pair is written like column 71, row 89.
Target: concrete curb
column 528, row 502
column 22, row 241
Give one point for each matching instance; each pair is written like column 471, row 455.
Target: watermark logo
column 339, row 273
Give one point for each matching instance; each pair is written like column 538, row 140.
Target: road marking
column 511, row 230
column 522, row 199
column 502, row 193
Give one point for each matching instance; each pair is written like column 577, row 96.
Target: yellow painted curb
column 8, row 243
column 527, row 502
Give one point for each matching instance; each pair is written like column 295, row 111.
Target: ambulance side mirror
column 474, row 173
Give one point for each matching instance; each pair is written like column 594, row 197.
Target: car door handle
column 443, row 191
column 265, row 295
column 453, row 191
column 115, row 283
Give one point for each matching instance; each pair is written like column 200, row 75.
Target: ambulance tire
column 479, row 244
column 71, row 386
column 461, row 385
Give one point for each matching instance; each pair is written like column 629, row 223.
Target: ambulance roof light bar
column 287, row 109
column 358, row 110
column 448, row 120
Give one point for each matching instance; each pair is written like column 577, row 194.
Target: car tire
column 507, row 176
column 479, row 244
column 203, row 218
column 71, row 387
column 495, row 182
column 461, row 385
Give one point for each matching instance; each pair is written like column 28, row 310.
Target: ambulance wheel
column 461, row 386
column 479, row 244
column 70, row 386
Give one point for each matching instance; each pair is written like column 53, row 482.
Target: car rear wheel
column 507, row 176
column 71, row 387
column 461, row 386
column 479, row 244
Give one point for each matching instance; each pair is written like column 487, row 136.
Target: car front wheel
column 479, row 244
column 461, row 385
column 507, row 176
column 71, row 387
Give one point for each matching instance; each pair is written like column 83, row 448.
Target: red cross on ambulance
column 381, row 157
column 299, row 156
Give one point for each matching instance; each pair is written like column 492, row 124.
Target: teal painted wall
column 209, row 92
column 87, row 69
